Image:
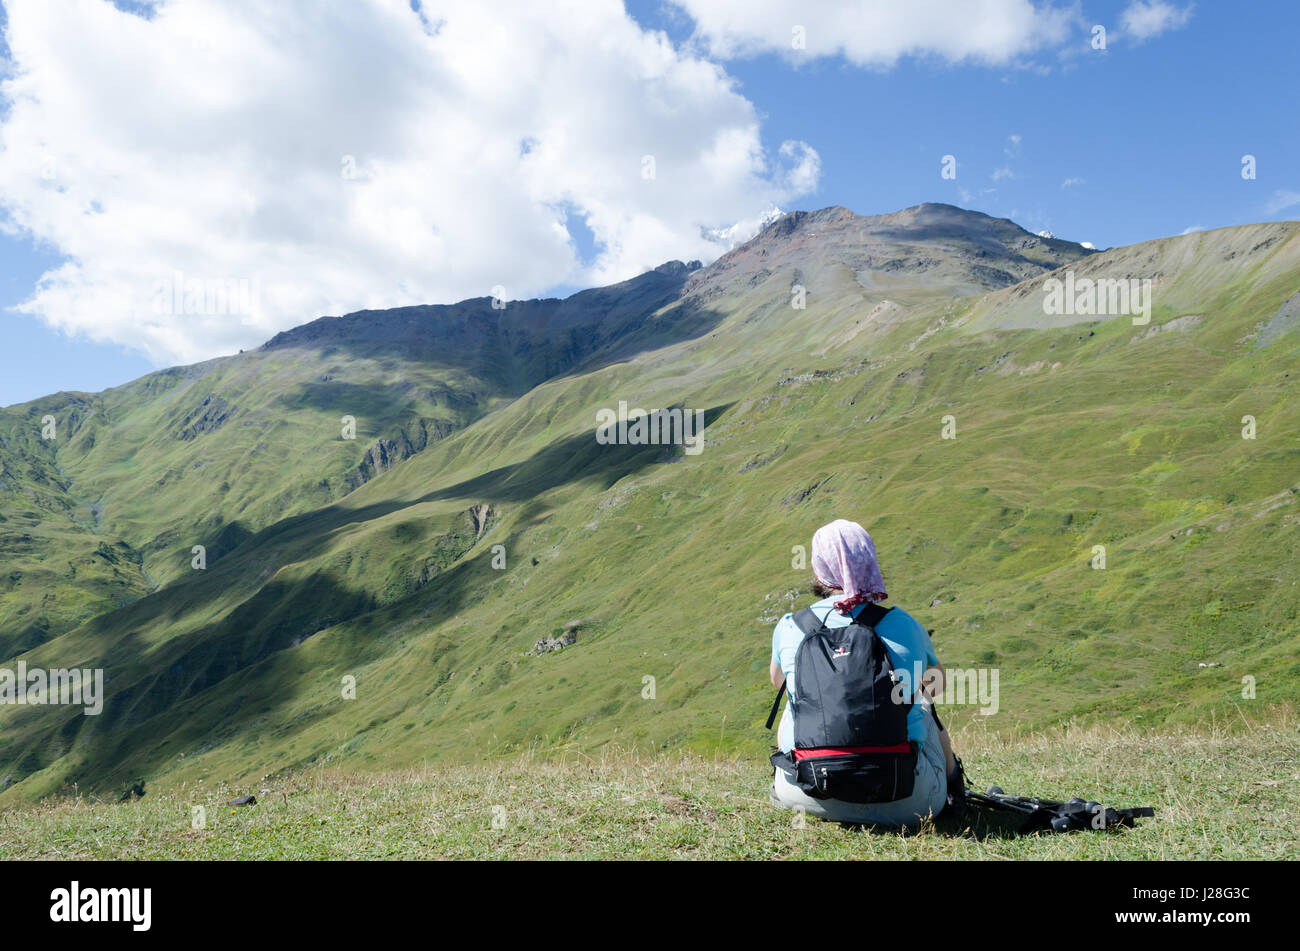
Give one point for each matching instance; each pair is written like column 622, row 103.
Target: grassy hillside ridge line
column 125, row 455
column 1221, row 791
column 1081, row 435
column 1181, row 270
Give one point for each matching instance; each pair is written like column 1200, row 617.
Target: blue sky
column 1156, row 131
column 1142, row 140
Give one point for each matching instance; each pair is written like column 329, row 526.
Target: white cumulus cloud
column 220, row 170
column 1144, row 19
column 881, row 32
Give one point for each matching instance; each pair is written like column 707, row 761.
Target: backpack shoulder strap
column 808, row 621
column 871, row 614
column 870, row 617
column 776, row 705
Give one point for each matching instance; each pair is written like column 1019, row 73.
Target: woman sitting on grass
column 846, row 578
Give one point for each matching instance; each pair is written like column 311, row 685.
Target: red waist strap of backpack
column 849, row 750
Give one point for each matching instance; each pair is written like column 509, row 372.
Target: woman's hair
column 821, row 590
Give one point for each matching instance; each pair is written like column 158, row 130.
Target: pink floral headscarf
column 844, row 556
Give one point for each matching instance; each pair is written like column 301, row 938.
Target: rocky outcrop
column 210, row 416
column 386, row 453
column 1286, row 319
column 479, row 515
column 545, row 645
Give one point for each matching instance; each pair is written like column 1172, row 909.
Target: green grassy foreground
column 1221, row 791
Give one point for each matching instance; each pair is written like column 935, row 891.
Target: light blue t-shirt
column 908, row 644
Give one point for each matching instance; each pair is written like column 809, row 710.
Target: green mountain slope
column 660, row 564
column 208, row 454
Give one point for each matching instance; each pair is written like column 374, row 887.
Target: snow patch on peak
column 742, row 230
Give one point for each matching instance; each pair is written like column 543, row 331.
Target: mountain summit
column 960, row 251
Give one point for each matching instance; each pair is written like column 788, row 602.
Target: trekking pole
column 1043, row 815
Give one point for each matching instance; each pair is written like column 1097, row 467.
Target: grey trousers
column 928, row 794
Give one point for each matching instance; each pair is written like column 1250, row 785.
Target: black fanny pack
column 884, row 774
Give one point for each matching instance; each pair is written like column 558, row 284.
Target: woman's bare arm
column 776, row 673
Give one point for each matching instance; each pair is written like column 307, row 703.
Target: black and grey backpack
column 850, row 721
